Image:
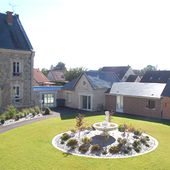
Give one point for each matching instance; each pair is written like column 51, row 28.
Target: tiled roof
column 136, row 89
column 39, row 77
column 56, row 75
column 132, row 78
column 119, row 70
column 13, row 36
column 156, row 77
column 97, row 79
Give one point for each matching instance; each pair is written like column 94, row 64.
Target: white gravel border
column 103, row 156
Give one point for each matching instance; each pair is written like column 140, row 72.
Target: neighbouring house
column 156, row 77
column 123, row 72
column 16, row 63
column 39, row 79
column 136, row 98
column 56, row 76
column 166, row 101
column 133, row 78
column 46, row 96
column 88, row 90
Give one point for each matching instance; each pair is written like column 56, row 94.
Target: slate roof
column 13, row 36
column 132, row 78
column 39, row 77
column 136, row 89
column 119, row 70
column 56, row 75
column 166, row 91
column 97, row 79
column 156, row 77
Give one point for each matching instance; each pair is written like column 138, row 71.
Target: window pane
column 150, row 104
column 89, row 102
column 84, row 102
column 17, row 70
column 14, row 67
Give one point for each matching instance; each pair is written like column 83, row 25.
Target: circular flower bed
column 120, row 143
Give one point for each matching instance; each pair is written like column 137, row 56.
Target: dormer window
column 16, row 68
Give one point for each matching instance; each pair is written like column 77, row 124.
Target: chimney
column 9, row 17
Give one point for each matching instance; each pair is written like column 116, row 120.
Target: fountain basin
column 105, row 126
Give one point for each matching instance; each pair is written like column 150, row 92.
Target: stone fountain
column 106, row 125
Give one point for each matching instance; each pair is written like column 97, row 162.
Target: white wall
column 83, row 87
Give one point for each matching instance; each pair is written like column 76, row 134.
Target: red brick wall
column 110, row 102
column 136, row 106
column 166, row 107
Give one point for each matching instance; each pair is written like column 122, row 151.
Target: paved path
column 18, row 124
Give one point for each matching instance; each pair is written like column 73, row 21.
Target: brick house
column 16, row 63
column 166, row 101
column 138, row 98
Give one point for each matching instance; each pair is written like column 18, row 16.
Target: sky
column 96, row 33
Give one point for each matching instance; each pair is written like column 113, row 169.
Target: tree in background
column 60, row 66
column 73, row 73
column 44, row 71
column 148, row 68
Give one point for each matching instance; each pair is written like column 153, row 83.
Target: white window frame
column 48, row 103
column 80, row 101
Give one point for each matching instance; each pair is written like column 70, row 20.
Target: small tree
column 79, row 122
column 74, row 73
column 44, row 71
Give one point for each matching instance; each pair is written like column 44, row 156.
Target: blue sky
column 96, row 33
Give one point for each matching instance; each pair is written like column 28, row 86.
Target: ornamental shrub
column 137, row 132
column 47, row 111
column 86, row 140
column 95, row 148
column 72, row 143
column 114, row 149
column 84, row 148
column 10, row 112
column 65, row 136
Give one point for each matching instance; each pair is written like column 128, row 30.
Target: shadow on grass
column 66, row 154
column 143, row 118
column 69, row 113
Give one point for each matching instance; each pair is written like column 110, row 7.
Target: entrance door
column 119, row 104
column 85, row 102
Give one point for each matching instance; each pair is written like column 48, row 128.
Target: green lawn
column 29, row 148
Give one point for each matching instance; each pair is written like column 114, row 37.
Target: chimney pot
column 9, row 17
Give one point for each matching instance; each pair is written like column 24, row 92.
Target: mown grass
column 29, row 148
